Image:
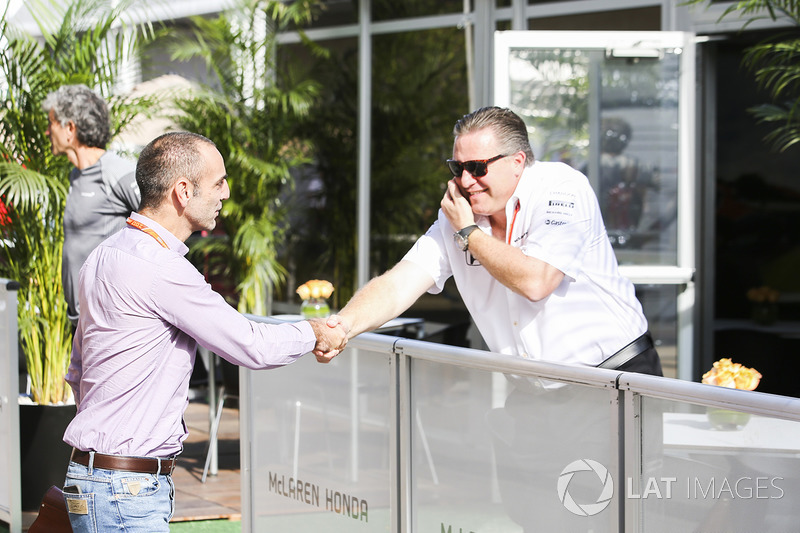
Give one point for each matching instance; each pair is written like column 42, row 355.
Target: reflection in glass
column 659, row 303
column 392, row 9
column 734, row 480
column 490, row 451
column 616, row 120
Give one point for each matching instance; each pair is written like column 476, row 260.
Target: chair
column 228, row 391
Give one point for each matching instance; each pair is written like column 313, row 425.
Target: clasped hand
column 331, row 340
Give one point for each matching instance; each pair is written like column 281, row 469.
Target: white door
column 619, row 106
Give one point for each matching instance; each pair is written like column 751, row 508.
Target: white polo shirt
column 591, row 315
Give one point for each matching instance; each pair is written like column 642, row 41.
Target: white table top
column 693, row 430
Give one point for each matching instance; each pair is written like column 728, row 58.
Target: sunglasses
column 477, row 167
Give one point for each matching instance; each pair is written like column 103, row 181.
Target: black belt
column 143, row 465
column 636, row 347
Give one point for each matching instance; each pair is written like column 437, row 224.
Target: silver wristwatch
column 462, row 237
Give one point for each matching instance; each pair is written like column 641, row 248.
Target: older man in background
column 102, row 186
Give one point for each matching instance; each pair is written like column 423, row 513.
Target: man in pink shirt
column 144, row 310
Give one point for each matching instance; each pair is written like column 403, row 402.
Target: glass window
column 614, row 117
column 336, row 13
column 392, row 9
column 419, row 90
column 660, row 309
column 643, row 18
column 322, row 211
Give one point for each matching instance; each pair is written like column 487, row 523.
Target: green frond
column 784, row 122
column 83, row 41
column 255, row 124
column 27, row 189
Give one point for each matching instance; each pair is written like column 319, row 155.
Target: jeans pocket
column 81, row 511
column 143, row 502
column 138, row 486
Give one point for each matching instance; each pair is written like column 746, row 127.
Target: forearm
column 385, row 297
column 527, row 276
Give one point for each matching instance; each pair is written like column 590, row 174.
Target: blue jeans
column 112, row 500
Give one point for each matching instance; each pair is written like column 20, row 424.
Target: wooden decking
column 220, row 496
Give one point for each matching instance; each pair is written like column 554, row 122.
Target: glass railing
column 408, row 436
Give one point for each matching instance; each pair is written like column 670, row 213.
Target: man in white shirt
column 526, row 245
column 525, row 242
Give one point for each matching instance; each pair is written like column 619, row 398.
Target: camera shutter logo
column 587, row 509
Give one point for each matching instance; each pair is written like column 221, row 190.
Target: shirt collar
column 524, row 189
column 172, row 241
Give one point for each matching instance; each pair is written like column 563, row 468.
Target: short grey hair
column 165, row 159
column 84, row 108
column 508, row 128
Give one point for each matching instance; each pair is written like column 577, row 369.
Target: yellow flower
column 763, row 294
column 726, row 373
column 315, row 288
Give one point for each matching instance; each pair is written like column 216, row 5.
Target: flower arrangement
column 763, row 294
column 726, row 373
column 313, row 293
column 765, row 304
column 315, row 288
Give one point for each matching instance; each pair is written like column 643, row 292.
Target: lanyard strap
column 138, row 225
column 513, row 220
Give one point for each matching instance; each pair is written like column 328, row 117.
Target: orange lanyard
column 513, row 220
column 138, row 225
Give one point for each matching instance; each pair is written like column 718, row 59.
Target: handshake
column 332, row 336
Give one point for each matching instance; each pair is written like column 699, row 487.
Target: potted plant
column 33, row 187
column 726, row 373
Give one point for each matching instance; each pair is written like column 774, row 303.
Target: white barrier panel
column 10, row 491
column 320, row 446
column 718, row 470
column 406, row 436
column 726, row 460
column 541, row 460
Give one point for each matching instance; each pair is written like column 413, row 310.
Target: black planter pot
column 44, row 455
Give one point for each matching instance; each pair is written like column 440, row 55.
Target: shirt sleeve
column 430, row 254
column 188, row 302
column 126, row 190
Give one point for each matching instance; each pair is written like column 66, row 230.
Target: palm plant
column 253, row 119
column 419, row 92
column 86, row 41
column 775, row 63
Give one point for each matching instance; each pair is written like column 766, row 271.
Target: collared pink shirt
column 144, row 310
